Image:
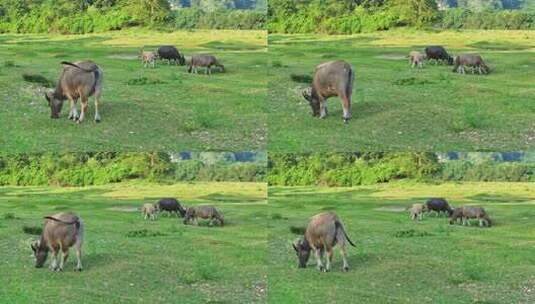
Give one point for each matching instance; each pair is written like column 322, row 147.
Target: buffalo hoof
column 345, row 269
column 78, row 269
column 97, row 120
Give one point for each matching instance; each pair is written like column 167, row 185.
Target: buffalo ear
column 34, row 247
column 295, row 248
column 47, row 98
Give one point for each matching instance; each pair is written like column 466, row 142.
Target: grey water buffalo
column 416, row 211
column 171, row 54
column 466, row 213
column 79, row 80
column 438, row 205
column 416, row 59
column 473, row 61
column 171, row 205
column 148, row 59
column 439, row 54
column 204, row 212
column 205, row 61
column 61, row 231
column 149, row 211
column 323, row 233
column 333, row 78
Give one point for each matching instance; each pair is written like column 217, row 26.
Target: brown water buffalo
column 81, row 79
column 333, row 78
column 149, row 211
column 465, row 213
column 61, row 231
column 470, row 60
column 204, row 212
column 148, row 59
column 206, row 61
column 324, row 232
column 416, row 59
column 417, row 211
column 438, row 54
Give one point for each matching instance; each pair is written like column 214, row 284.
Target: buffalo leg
column 78, row 247
column 64, row 256
column 346, row 104
column 323, row 107
column 317, row 254
column 345, row 265
column 54, row 262
column 83, row 109
column 97, row 101
column 73, row 113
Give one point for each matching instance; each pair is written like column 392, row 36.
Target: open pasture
column 142, row 109
column 130, row 260
column 399, row 108
column 398, row 260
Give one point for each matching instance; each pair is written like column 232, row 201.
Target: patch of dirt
column 392, row 209
column 124, row 209
column 124, row 56
column 392, row 57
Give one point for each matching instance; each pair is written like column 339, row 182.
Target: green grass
column 399, row 108
column 130, row 260
column 142, row 109
column 400, row 261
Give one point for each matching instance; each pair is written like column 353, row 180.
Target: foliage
column 82, row 169
column 352, row 169
column 86, row 16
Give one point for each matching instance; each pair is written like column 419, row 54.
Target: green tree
column 415, row 12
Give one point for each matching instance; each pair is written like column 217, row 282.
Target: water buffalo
column 333, row 78
column 471, row 60
column 204, row 212
column 61, row 231
column 206, row 61
column 416, row 59
column 149, row 211
column 324, row 232
column 465, row 213
column 171, row 54
column 439, row 54
column 148, row 59
column 417, row 211
column 439, row 205
column 81, row 79
column 171, row 205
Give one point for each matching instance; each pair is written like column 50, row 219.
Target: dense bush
column 505, row 19
column 82, row 169
column 86, row 16
column 351, row 169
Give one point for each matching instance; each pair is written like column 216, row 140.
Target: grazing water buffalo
column 206, row 61
column 333, row 78
column 439, row 54
column 466, row 213
column 170, row 53
column 439, row 205
column 417, row 211
column 204, row 212
column 171, row 205
column 61, row 231
column 416, row 59
column 148, row 59
column 324, row 232
column 471, row 60
column 81, row 79
column 149, row 211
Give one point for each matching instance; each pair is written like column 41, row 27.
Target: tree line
column 86, row 16
column 84, row 169
column 356, row 16
column 353, row 169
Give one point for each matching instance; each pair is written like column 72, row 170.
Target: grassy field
column 400, row 261
column 130, row 260
column 398, row 108
column 142, row 109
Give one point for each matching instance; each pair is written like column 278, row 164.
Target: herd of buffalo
column 325, row 231
column 335, row 78
column 64, row 230
column 83, row 79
